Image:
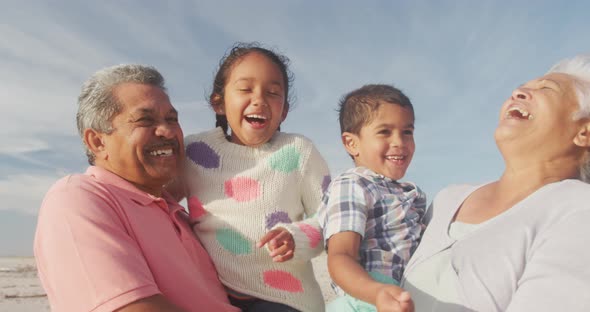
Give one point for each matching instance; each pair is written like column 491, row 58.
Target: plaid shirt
column 386, row 213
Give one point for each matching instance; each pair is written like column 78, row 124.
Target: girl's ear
column 95, row 142
column 217, row 103
column 350, row 142
column 582, row 138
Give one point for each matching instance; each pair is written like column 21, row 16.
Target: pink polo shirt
column 101, row 244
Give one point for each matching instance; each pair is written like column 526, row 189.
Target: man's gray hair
column 97, row 105
column 579, row 68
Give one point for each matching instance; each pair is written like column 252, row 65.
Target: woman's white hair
column 579, row 68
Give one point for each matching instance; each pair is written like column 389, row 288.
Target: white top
column 434, row 285
column 247, row 191
column 532, row 257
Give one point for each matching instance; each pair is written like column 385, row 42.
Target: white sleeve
column 557, row 273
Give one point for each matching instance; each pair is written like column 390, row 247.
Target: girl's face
column 254, row 101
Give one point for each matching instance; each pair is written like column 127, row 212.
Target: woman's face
column 539, row 116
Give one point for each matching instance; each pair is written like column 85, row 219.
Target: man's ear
column 217, row 103
column 95, row 142
column 350, row 142
column 582, row 138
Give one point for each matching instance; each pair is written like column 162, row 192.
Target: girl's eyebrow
column 250, row 79
column 247, row 79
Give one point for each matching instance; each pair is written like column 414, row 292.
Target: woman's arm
column 556, row 276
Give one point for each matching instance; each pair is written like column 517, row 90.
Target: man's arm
column 86, row 259
column 156, row 303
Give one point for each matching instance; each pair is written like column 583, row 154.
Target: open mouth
column 162, row 152
column 518, row 113
column 395, row 157
column 166, row 149
column 256, row 120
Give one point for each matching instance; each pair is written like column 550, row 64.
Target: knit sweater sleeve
column 307, row 233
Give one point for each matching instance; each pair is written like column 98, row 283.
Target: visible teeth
column 523, row 113
column 166, row 152
column 396, row 157
column 256, row 116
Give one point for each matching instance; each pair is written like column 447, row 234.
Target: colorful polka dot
column 201, row 154
column 285, row 160
column 326, row 183
column 282, row 280
column 312, row 234
column 233, row 241
column 277, row 217
column 242, row 189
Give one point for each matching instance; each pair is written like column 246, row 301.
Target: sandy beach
column 21, row 291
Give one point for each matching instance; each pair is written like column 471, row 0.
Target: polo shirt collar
column 135, row 194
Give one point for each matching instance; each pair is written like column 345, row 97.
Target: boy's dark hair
column 358, row 108
column 238, row 51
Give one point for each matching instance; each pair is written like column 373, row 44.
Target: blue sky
column 456, row 60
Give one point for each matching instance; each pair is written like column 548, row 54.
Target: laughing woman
column 519, row 243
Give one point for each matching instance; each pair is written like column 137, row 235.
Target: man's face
column 146, row 145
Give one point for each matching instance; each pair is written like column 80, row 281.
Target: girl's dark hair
column 230, row 59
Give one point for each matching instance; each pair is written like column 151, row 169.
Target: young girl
column 245, row 179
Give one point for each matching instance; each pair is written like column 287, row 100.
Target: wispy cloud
column 458, row 61
column 24, row 192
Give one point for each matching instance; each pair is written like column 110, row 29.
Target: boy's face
column 386, row 144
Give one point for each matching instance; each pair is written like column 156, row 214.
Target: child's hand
column 392, row 300
column 280, row 244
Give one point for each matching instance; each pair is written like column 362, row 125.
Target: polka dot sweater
column 238, row 193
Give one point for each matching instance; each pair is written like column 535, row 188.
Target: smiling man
column 112, row 239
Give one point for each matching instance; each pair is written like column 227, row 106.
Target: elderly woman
column 516, row 244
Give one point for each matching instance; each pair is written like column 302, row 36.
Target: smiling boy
column 371, row 222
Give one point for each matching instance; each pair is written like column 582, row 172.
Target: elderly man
column 112, row 239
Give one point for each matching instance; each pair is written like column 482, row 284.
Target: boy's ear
column 217, row 102
column 582, row 138
column 350, row 141
column 95, row 142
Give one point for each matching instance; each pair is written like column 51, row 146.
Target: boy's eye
column 409, row 132
column 384, row 131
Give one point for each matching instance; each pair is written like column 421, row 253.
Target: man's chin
column 164, row 176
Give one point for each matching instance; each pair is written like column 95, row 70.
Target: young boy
column 371, row 222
